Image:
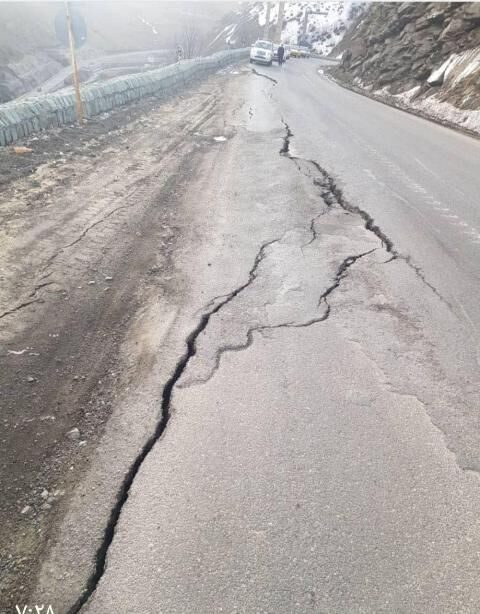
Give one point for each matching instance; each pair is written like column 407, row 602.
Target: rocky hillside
column 319, row 25
column 426, row 55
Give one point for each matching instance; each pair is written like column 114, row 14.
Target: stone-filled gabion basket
column 19, row 119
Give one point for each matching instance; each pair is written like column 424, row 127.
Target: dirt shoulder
column 90, row 223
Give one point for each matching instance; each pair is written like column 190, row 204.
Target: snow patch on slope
column 152, row 27
column 456, row 68
column 322, row 30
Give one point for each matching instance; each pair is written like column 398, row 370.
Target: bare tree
column 191, row 40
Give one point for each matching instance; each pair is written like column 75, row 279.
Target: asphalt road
column 322, row 447
column 420, row 181
column 111, row 65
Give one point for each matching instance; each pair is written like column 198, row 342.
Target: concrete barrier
column 19, row 119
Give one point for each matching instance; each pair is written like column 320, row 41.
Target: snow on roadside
column 443, row 111
column 430, row 107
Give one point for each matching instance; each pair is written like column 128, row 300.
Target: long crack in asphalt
column 331, row 195
column 329, row 198
column 337, row 279
column 122, row 496
column 341, row 273
column 32, row 298
column 370, row 225
column 259, row 74
column 285, row 149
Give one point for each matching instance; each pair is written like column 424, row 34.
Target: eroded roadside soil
column 90, row 222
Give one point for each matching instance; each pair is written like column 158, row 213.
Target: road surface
column 104, row 67
column 294, row 427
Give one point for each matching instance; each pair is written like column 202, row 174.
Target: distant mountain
column 320, row 25
column 30, row 52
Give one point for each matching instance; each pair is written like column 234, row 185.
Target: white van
column 262, row 53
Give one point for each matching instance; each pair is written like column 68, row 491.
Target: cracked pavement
column 304, row 437
column 312, row 459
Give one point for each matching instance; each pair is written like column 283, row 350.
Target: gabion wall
column 21, row 118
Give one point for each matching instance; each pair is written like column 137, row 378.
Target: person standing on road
column 280, row 54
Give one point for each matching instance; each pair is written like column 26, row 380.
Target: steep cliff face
column 426, row 54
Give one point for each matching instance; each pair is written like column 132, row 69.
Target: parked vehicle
column 304, row 51
column 262, row 52
column 300, row 52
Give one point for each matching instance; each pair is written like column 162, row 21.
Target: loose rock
column 74, row 434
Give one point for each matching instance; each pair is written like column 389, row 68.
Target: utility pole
column 76, row 82
column 305, row 22
column 278, row 29
column 267, row 21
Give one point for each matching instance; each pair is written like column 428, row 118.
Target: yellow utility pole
column 76, row 82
